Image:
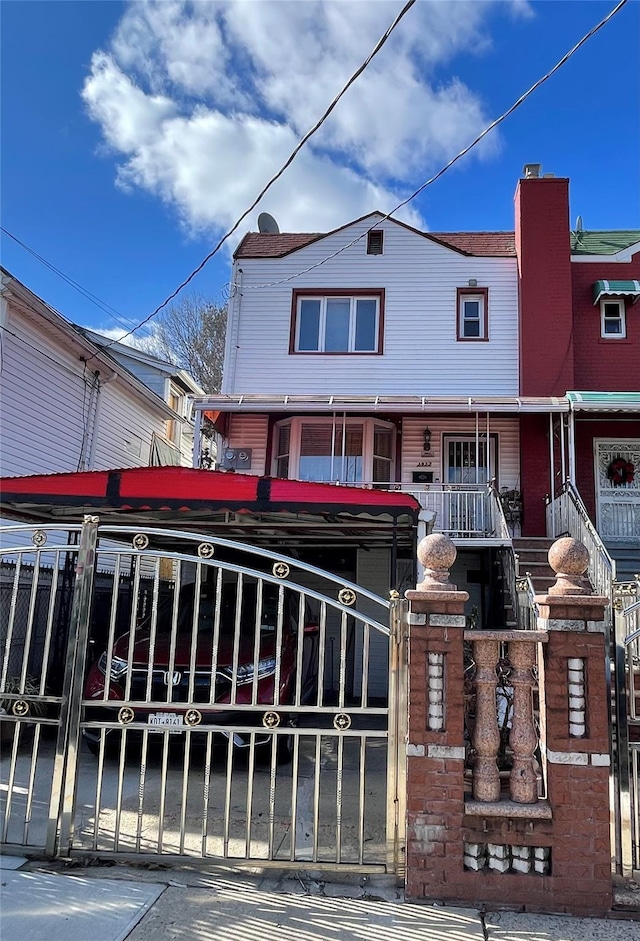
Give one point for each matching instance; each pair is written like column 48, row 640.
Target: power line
column 453, row 160
column 94, row 299
column 282, row 169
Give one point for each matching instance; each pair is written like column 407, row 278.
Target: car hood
column 204, row 647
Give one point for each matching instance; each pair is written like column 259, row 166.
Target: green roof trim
column 602, row 242
column 604, row 401
column 616, row 289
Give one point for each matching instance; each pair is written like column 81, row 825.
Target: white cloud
column 204, row 101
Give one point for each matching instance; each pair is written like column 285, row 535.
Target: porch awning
column 616, row 289
column 604, row 401
column 179, row 495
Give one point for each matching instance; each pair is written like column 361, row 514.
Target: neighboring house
column 174, row 386
column 68, row 404
column 580, row 338
column 378, row 355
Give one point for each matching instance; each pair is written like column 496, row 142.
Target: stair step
column 532, row 542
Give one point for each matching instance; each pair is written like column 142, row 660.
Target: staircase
column 627, row 559
column 531, row 554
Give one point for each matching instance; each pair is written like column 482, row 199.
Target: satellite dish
column 579, row 224
column 267, row 224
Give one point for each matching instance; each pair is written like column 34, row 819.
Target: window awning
column 616, row 289
column 604, row 401
column 183, row 496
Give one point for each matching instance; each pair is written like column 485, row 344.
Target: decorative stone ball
column 437, row 552
column 569, row 557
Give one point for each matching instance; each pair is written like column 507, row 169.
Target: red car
column 231, row 660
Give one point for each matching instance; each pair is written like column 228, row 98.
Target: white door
column 617, row 482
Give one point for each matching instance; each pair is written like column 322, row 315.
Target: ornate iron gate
column 626, row 727
column 189, row 696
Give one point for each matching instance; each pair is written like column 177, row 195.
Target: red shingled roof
column 267, row 245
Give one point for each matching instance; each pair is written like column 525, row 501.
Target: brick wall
column 544, row 285
column 604, row 365
column 539, row 857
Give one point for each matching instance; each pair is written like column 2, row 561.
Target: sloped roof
column 267, row 245
column 602, row 242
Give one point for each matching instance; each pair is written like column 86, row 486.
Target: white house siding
column 125, row 429
column 421, row 353
column 250, row 431
column 414, row 459
column 42, row 392
column 47, row 411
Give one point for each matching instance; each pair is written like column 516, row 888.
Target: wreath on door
column 621, row 472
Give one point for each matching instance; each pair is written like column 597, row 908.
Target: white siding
column 47, row 410
column 507, row 430
column 421, row 353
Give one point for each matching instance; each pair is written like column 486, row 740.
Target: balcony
column 462, row 511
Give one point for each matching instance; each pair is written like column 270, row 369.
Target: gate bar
column 59, row 832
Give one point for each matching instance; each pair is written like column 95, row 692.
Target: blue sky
column 132, row 135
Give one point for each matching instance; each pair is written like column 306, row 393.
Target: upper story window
column 337, row 321
column 473, row 313
column 612, row 320
column 375, row 242
column 352, row 450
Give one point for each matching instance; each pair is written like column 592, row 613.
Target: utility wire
column 282, row 169
column 453, row 160
column 94, row 299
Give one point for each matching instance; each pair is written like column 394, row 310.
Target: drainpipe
column 96, row 418
column 552, row 494
column 572, row 445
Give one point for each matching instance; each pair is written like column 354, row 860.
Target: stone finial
column 569, row 559
column 436, row 554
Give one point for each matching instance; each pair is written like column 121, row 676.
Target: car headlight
column 118, row 666
column 245, row 671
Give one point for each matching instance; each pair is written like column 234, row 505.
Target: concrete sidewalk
column 45, row 902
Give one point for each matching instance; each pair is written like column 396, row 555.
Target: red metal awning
column 172, row 493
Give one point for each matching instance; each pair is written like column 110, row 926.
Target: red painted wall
column 534, row 472
column 544, row 281
column 604, row 365
column 586, row 431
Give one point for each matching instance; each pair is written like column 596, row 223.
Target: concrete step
column 538, row 543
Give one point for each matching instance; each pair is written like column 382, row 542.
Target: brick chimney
column 544, row 283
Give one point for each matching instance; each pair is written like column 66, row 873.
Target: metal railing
column 567, row 515
column 626, row 724
column 520, row 591
column 462, row 511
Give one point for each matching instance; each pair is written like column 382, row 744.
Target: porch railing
column 568, row 516
column 520, row 592
column 460, row 511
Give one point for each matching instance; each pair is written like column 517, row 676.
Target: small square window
column 472, row 314
column 375, row 242
column 612, row 320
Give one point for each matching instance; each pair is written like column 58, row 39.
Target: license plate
column 166, row 719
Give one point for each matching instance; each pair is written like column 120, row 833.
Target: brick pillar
column 541, row 855
column 577, row 738
column 435, row 748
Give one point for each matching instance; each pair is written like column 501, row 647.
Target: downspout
column 96, row 418
column 552, row 494
column 572, row 444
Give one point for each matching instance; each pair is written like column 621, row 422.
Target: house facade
column 377, row 355
column 69, row 404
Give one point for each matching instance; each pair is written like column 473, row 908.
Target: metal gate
column 626, row 727
column 168, row 693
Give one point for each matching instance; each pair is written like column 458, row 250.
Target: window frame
column 323, row 294
column 622, row 317
column 472, row 293
column 369, row 426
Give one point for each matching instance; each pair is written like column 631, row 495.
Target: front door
column 466, row 460
column 617, row 483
